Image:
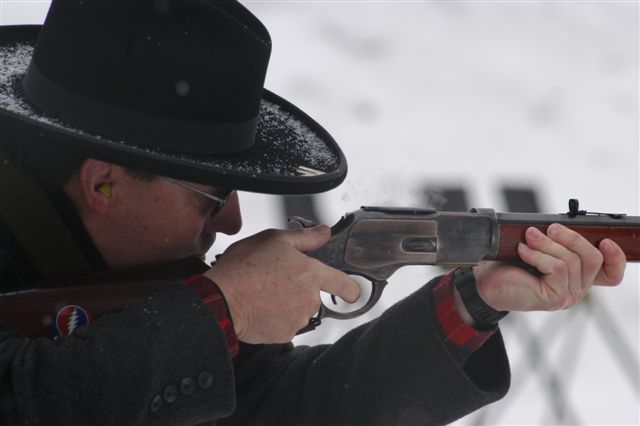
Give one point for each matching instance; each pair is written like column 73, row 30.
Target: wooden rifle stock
column 33, row 312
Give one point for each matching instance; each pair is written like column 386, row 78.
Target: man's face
column 161, row 220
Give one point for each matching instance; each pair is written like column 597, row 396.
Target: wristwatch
column 484, row 316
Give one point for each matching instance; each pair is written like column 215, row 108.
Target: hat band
column 123, row 124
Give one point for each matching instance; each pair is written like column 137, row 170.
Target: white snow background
column 477, row 94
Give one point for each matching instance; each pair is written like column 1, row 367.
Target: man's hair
column 53, row 166
column 144, row 176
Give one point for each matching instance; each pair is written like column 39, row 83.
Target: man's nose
column 229, row 219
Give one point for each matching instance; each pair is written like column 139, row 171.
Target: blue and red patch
column 69, row 318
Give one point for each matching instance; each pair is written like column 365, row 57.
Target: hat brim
column 292, row 153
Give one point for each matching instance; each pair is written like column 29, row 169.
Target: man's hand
column 569, row 265
column 272, row 287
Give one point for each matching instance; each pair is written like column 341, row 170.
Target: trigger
column 333, row 299
column 305, row 223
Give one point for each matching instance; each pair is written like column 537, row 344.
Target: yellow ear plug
column 105, row 189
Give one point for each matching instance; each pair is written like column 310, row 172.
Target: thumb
column 309, row 239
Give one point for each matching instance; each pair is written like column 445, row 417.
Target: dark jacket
column 164, row 361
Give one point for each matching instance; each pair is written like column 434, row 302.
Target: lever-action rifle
column 372, row 242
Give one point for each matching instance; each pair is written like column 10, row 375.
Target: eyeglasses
column 219, row 199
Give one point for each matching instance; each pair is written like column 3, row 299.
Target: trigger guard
column 377, row 288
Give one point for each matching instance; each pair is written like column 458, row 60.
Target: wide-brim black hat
column 169, row 88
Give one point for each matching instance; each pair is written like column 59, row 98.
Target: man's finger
column 308, row 239
column 547, row 264
column 615, row 261
column 558, row 253
column 341, row 285
column 555, row 294
column 590, row 257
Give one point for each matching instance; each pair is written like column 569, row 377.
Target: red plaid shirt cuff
column 213, row 298
column 461, row 339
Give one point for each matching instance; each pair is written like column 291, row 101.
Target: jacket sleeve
column 163, row 361
column 394, row 370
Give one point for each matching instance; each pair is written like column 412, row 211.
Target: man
column 124, row 129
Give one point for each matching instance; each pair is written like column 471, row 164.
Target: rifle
column 372, row 242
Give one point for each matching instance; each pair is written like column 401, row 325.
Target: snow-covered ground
column 477, row 94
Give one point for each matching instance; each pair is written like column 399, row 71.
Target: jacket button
column 205, row 380
column 170, row 394
column 187, row 386
column 156, row 404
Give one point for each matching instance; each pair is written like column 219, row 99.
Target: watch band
column 484, row 316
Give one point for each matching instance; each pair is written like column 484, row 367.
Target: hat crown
column 127, row 66
column 84, row 91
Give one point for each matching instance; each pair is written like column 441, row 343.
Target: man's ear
column 95, row 179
